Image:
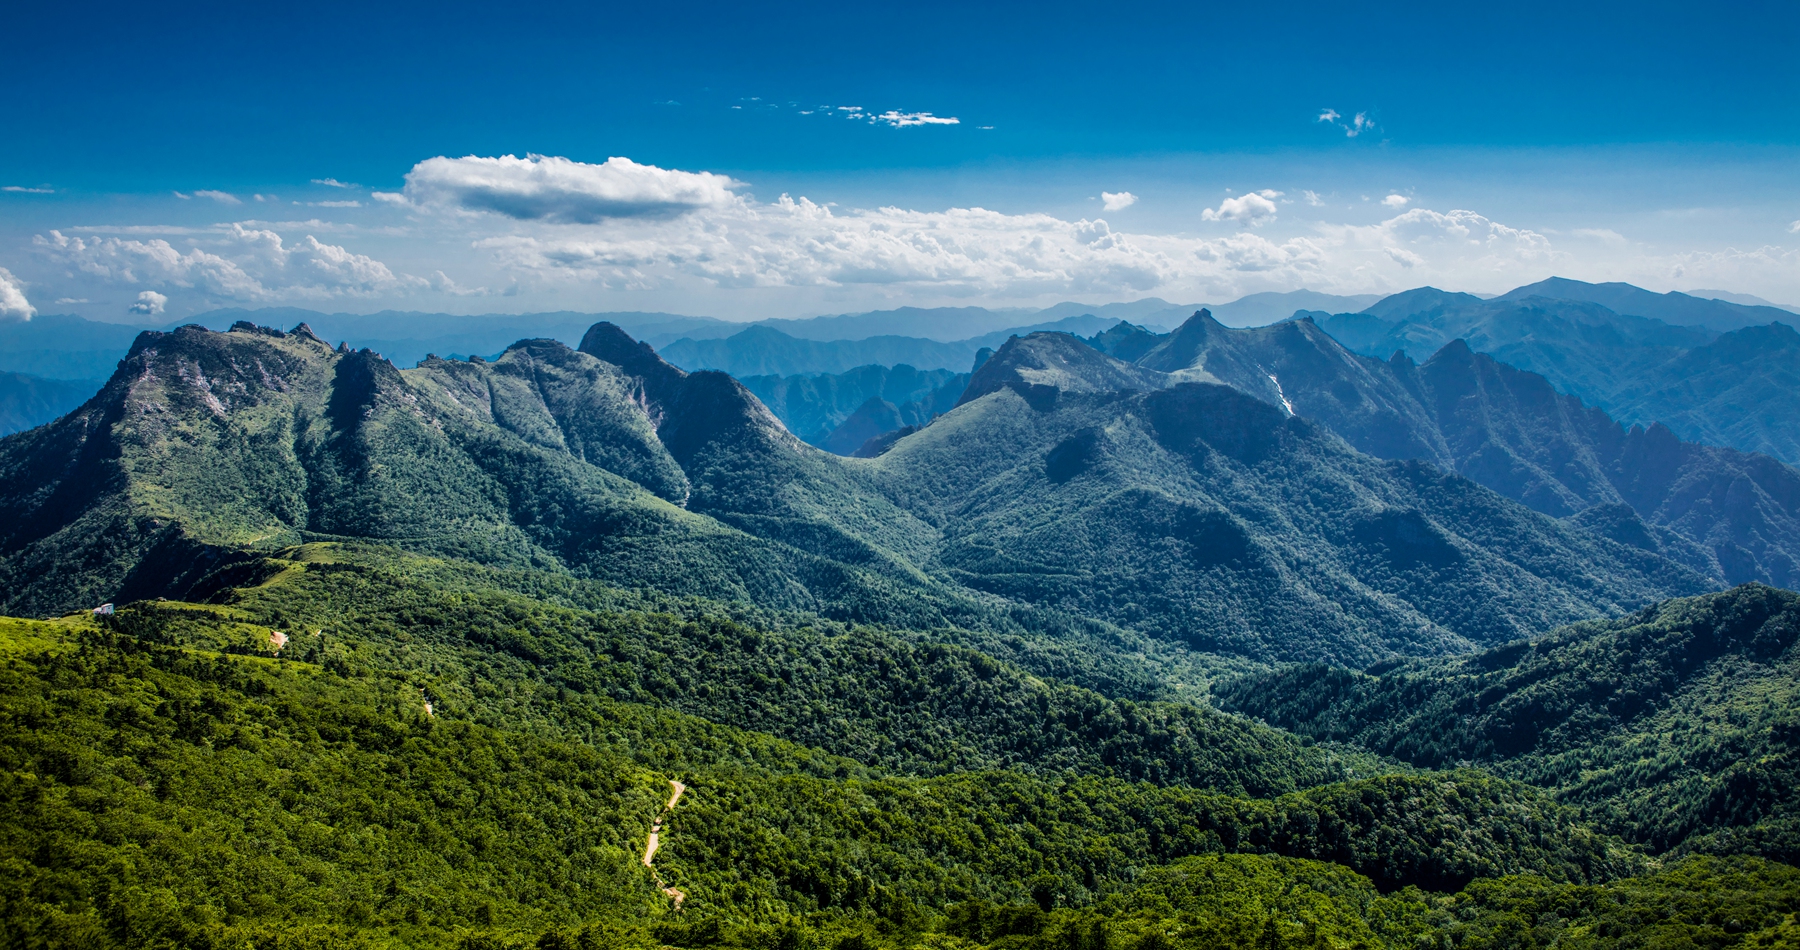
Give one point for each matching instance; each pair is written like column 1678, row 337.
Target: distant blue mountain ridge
column 1640, row 355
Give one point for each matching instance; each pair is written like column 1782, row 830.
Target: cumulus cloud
column 332, row 183
column 1396, row 201
column 13, row 305
column 797, row 243
column 1252, row 210
column 1117, row 201
column 1352, row 126
column 241, row 263
column 149, row 303
column 222, row 197
column 1794, row 228
column 548, row 188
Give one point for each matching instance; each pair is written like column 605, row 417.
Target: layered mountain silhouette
column 1664, row 360
column 1067, row 484
column 1733, row 515
column 28, row 401
column 817, row 406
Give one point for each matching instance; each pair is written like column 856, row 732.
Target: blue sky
column 1260, row 148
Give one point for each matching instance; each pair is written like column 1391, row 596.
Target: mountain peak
column 608, row 343
column 1042, row 365
column 1420, row 300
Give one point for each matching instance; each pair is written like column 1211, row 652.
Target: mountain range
column 1738, row 388
column 1137, row 640
column 1156, row 500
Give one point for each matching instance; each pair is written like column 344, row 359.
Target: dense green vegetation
column 1677, row 727
column 879, row 696
column 156, row 796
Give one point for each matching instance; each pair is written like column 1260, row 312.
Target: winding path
column 650, row 846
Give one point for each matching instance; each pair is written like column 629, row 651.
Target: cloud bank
column 562, row 231
column 13, row 305
column 237, row 264
column 546, row 188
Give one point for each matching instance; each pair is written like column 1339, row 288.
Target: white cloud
column 901, row 120
column 802, row 244
column 149, row 303
column 332, row 183
column 222, row 197
column 1460, row 248
column 1117, row 201
column 334, row 204
column 29, row 191
column 442, row 283
column 63, row 300
column 1353, row 126
column 1606, row 235
column 13, row 305
column 1794, row 228
column 1396, row 201
column 1312, row 198
column 241, row 264
column 547, row 188
column 1253, row 210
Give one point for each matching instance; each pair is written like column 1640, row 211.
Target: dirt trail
column 650, row 846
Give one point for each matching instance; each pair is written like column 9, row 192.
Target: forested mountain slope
column 1154, row 505
column 1069, row 492
column 432, row 764
column 1677, row 727
column 207, row 444
column 443, row 763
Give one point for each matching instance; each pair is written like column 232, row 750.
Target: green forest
column 363, row 748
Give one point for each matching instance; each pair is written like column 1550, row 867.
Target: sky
column 749, row 161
